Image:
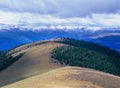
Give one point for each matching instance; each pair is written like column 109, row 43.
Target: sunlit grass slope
column 36, row 60
column 69, row 77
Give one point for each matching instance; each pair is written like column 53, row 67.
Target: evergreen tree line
column 87, row 54
column 7, row 60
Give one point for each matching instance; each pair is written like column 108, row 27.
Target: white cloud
column 38, row 21
column 107, row 20
column 8, row 18
column 61, row 14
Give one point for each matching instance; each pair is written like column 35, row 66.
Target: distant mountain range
column 12, row 36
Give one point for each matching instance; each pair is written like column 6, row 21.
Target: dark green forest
column 87, row 54
column 7, row 60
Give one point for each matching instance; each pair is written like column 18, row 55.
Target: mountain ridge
column 40, row 66
column 15, row 37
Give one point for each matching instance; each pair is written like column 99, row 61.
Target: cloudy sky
column 95, row 13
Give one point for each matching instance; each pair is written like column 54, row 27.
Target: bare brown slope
column 70, row 77
column 37, row 60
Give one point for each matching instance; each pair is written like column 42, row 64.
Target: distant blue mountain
column 109, row 41
column 14, row 37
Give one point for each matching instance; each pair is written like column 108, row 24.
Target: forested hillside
column 87, row 54
column 7, row 60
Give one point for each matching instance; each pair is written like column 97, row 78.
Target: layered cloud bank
column 61, row 13
column 96, row 20
column 61, row 8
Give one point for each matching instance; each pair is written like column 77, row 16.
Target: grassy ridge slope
column 69, row 77
column 36, row 60
column 36, row 69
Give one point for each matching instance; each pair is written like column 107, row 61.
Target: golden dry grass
column 69, row 77
column 37, row 60
column 26, row 46
column 36, row 69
